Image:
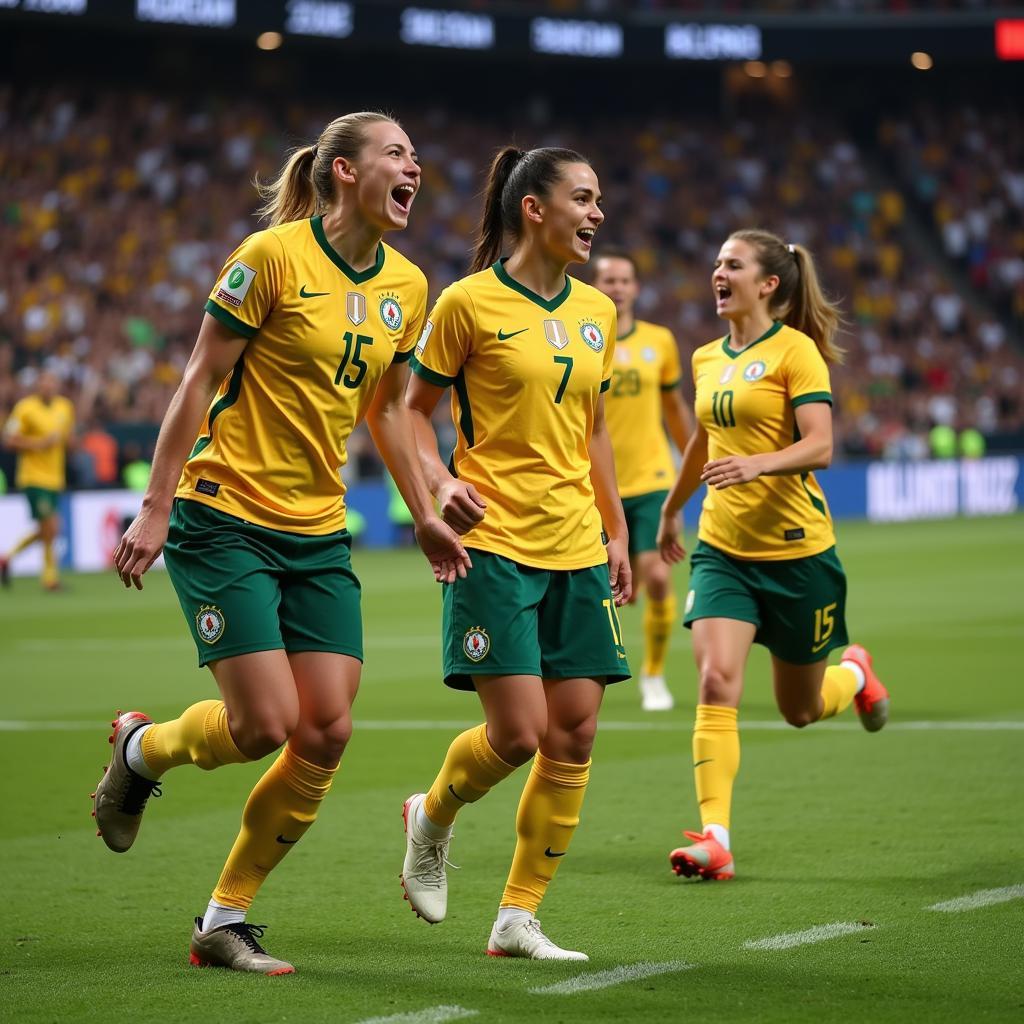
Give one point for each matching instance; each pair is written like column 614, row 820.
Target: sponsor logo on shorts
column 592, row 335
column 235, row 284
column 476, row 643
column 755, row 371
column 690, row 598
column 210, row 623
column 391, row 312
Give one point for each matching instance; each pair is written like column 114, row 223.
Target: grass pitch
column 831, row 825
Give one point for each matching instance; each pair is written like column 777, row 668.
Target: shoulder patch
column 235, row 284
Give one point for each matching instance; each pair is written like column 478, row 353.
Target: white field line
column 982, row 898
column 821, row 933
column 605, row 979
column 446, row 725
column 432, row 1015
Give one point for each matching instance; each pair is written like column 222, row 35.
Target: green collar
column 629, row 333
column 733, row 354
column 549, row 304
column 355, row 276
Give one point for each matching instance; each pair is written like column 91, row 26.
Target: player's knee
column 331, row 740
column 716, row 685
column 799, row 718
column 259, row 735
column 516, row 745
column 575, row 742
column 658, row 582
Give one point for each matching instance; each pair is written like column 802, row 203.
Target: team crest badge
column 648, row 355
column 391, row 312
column 727, row 374
column 621, row 354
column 555, row 332
column 355, row 307
column 755, row 371
column 476, row 643
column 592, row 335
column 210, row 623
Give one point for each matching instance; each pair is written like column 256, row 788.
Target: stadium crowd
column 119, row 211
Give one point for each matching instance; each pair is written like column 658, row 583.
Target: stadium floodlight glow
column 456, row 30
column 921, row 60
column 1010, row 38
column 206, row 13
column 319, row 18
column 755, row 68
column 572, row 38
column 782, row 68
column 50, row 6
column 269, row 40
column 695, row 41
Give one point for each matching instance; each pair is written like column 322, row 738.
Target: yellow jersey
column 527, row 375
column 646, row 364
column 321, row 337
column 745, row 402
column 33, row 417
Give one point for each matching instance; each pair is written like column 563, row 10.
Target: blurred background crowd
column 119, row 210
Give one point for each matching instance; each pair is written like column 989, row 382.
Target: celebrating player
column 533, row 628
column 765, row 568
column 38, row 429
column 308, row 330
column 643, row 395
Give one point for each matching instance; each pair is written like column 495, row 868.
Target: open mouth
column 722, row 292
column 402, row 195
column 586, row 235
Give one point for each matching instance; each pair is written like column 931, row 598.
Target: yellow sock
column 470, row 769
column 716, row 762
column 200, row 737
column 837, row 690
column 277, row 814
column 25, row 542
column 50, row 575
column 659, row 617
column 549, row 811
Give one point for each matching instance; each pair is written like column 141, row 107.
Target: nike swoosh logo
column 548, row 853
column 502, row 336
column 303, row 294
column 287, row 842
column 707, row 760
column 451, row 789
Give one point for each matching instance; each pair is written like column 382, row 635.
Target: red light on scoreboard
column 1010, row 39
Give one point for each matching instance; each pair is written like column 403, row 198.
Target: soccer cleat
column 655, row 695
column 872, row 703
column 706, row 858
column 121, row 794
column 524, row 938
column 234, row 946
column 423, row 876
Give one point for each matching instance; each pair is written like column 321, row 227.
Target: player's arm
column 812, row 451
column 217, row 350
column 676, row 417
column 460, row 504
column 609, row 504
column 695, row 455
column 16, row 440
column 391, row 428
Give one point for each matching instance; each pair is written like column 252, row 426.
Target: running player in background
column 643, row 400
column 533, row 627
column 38, row 429
column 765, row 568
column 308, row 329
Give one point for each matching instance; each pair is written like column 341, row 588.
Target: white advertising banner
column 98, row 519
column 16, row 523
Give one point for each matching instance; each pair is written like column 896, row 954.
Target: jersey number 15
column 353, row 353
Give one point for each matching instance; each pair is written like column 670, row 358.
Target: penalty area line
column 820, row 933
column 605, row 979
column 432, row 1015
column 977, row 900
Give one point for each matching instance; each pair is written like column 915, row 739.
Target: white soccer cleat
column 524, row 938
column 655, row 695
column 423, row 873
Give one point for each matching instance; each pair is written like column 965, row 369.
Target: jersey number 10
column 722, row 410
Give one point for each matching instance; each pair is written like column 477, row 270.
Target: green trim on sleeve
column 229, row 320
column 671, row 385
column 812, row 396
column 430, row 376
column 404, row 357
column 605, row 385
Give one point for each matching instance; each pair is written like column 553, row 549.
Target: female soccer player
column 308, row 330
column 533, row 628
column 765, row 568
column 644, row 394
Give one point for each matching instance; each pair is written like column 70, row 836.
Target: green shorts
column 246, row 588
column 643, row 513
column 505, row 619
column 798, row 605
column 42, row 503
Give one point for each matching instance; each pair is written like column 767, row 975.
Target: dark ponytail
column 515, row 173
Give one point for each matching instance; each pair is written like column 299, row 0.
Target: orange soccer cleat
column 872, row 702
column 706, row 858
